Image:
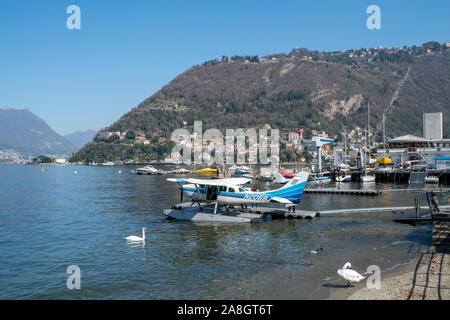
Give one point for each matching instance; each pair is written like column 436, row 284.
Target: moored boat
column 320, row 178
column 241, row 174
column 367, row 178
column 431, row 179
column 147, row 170
column 180, row 171
column 207, row 171
column 344, row 178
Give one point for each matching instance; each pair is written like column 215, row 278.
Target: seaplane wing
column 213, row 182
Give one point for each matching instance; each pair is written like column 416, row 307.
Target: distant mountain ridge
column 26, row 133
column 80, row 138
column 303, row 89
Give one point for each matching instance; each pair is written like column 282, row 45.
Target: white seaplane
column 228, row 193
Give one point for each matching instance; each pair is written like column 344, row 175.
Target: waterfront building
column 410, row 147
column 432, row 125
column 442, row 163
column 60, row 160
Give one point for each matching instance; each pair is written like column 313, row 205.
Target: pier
column 400, row 175
column 372, row 192
column 344, row 191
column 379, row 209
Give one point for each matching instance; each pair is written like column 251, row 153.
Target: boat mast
column 384, row 134
column 345, row 143
column 368, row 130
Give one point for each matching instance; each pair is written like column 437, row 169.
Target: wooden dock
column 344, row 191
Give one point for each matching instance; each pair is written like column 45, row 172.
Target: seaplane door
column 211, row 192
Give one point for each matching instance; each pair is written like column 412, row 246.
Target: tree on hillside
column 131, row 135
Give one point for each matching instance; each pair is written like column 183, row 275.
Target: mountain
column 303, row 89
column 26, row 133
column 80, row 138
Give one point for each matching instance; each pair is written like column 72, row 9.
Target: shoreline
column 426, row 277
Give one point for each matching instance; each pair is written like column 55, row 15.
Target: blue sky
column 127, row 50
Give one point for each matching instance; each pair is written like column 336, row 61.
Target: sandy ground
column 427, row 278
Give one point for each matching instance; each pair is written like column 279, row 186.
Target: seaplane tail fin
column 280, row 200
column 279, row 178
column 298, row 178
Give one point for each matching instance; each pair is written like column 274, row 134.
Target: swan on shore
column 136, row 238
column 348, row 274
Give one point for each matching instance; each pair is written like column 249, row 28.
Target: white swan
column 136, row 238
column 348, row 274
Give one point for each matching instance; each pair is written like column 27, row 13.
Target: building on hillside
column 432, row 125
column 293, row 136
column 60, row 160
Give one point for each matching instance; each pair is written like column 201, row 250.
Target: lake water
column 55, row 218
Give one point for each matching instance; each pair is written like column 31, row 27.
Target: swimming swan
column 136, row 238
column 348, row 274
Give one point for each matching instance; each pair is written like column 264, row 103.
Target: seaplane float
column 214, row 200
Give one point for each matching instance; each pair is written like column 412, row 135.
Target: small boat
column 109, row 163
column 431, row 179
column 180, row 171
column 241, row 174
column 320, row 178
column 266, row 178
column 384, row 160
column 344, row 178
column 207, row 171
column 146, row 171
column 286, row 175
column 367, row 178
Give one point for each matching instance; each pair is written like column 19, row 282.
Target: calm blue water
column 53, row 219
